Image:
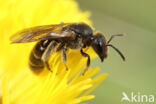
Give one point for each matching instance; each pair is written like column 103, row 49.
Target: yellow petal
column 19, row 84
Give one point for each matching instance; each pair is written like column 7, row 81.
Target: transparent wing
column 41, row 33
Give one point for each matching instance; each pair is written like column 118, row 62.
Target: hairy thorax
column 75, row 44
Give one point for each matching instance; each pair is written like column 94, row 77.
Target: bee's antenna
column 122, row 56
column 113, row 37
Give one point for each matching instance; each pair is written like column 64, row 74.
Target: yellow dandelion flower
column 19, row 85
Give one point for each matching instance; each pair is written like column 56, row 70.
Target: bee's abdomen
column 35, row 61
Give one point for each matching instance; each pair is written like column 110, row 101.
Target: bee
column 61, row 37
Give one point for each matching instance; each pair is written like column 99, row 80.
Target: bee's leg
column 48, row 51
column 88, row 61
column 60, row 47
column 64, row 57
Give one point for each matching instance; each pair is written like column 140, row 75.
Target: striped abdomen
column 35, row 61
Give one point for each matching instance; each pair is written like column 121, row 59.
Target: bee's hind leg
column 64, row 57
column 48, row 51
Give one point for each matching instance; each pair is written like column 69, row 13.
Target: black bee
column 66, row 35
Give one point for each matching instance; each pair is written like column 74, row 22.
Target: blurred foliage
column 139, row 12
column 136, row 18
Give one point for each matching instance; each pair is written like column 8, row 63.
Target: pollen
column 19, row 84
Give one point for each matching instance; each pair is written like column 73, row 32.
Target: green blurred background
column 136, row 18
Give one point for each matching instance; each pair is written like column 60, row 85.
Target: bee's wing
column 42, row 33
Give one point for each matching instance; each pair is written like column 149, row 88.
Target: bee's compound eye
column 99, row 46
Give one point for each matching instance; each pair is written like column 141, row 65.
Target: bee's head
column 99, row 45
